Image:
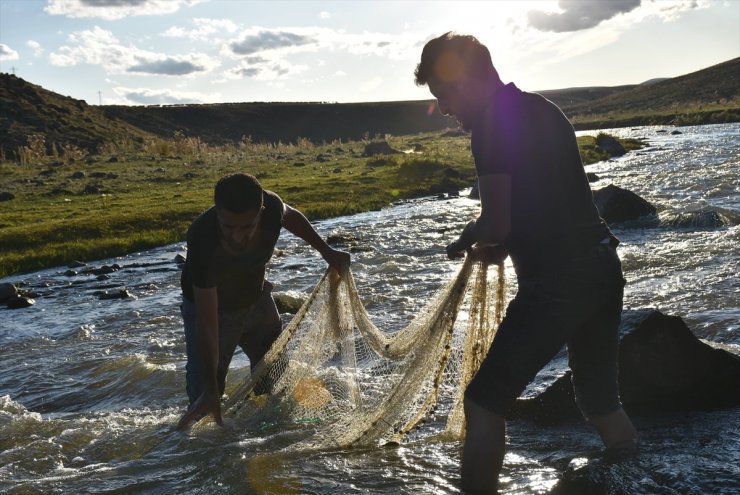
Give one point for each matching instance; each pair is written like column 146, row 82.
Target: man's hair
column 238, row 193
column 472, row 56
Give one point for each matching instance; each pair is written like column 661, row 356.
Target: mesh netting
column 333, row 371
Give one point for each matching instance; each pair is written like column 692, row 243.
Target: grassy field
column 78, row 207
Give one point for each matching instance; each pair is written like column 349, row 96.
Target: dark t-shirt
column 239, row 278
column 553, row 214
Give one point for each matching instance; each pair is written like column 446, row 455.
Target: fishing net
column 347, row 382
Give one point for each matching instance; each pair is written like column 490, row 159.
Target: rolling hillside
column 27, row 109
column 706, row 96
column 272, row 122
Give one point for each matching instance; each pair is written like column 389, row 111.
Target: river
column 91, row 387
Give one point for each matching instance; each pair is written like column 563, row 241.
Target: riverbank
column 77, row 207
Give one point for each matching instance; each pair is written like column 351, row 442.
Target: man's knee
column 481, row 419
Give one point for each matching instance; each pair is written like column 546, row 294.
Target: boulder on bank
column 663, row 368
column 610, row 145
column 6, row 196
column 620, row 205
column 378, row 148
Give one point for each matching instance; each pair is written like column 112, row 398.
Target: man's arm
column 296, row 223
column 206, row 314
column 494, row 222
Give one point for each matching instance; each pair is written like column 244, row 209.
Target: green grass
column 146, row 200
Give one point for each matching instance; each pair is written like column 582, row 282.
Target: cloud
column 99, row 47
column 38, row 50
column 204, row 30
column 114, row 9
column 167, row 67
column 269, row 40
column 325, row 15
column 7, row 53
column 578, row 14
column 262, row 69
column 145, row 96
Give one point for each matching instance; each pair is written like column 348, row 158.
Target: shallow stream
column 90, row 387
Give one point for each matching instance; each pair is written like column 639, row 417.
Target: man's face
column 452, row 99
column 238, row 229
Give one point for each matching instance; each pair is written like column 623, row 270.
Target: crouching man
column 226, row 299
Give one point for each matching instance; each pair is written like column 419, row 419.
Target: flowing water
column 90, row 387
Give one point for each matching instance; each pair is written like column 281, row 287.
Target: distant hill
column 27, row 109
column 272, row 122
column 716, row 87
column 709, row 95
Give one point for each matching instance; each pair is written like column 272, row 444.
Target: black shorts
column 579, row 305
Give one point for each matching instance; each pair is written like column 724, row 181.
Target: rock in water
column 7, row 291
column 663, row 368
column 19, row 302
column 619, row 205
column 610, row 145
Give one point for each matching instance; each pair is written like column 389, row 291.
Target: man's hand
column 456, row 249
column 339, row 260
column 208, row 403
column 492, row 254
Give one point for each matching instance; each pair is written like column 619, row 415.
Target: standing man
column 226, row 299
column 537, row 207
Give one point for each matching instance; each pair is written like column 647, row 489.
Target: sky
column 144, row 52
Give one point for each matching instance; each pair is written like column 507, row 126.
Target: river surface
column 91, row 387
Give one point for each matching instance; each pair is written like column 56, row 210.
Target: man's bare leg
column 616, row 430
column 483, row 450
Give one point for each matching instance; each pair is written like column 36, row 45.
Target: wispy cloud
column 576, row 15
column 262, row 69
column 546, row 49
column 7, row 53
column 114, row 9
column 98, row 46
column 265, row 54
column 38, row 50
column 167, row 67
column 204, row 30
column 146, row 96
column 270, row 40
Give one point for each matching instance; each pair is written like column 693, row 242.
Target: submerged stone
column 701, row 219
column 19, row 302
column 288, row 303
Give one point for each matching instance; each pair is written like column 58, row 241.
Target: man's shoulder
column 274, row 209
column 272, row 199
column 203, row 225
